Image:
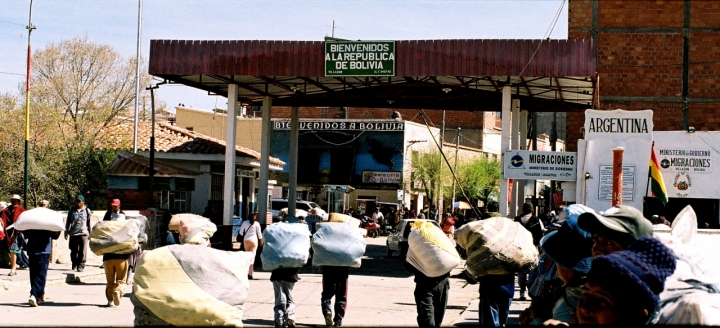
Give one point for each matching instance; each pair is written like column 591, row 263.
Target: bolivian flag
column 656, row 179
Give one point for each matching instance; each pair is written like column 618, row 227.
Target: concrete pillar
column 523, row 146
column 266, row 134
column 504, row 145
column 514, row 144
column 229, row 185
column 292, row 182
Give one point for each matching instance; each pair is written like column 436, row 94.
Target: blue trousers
column 338, row 289
column 38, row 275
column 496, row 294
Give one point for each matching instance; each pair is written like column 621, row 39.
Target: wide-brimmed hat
column 15, row 197
column 623, row 219
column 569, row 246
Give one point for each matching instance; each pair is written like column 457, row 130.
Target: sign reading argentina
column 540, row 165
column 618, row 124
column 360, row 58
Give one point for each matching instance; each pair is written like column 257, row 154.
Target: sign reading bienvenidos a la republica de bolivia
column 360, row 58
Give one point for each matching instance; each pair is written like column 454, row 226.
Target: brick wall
column 640, row 60
column 133, row 199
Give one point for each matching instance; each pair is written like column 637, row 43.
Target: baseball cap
column 16, row 197
column 570, row 246
column 622, row 218
column 80, row 198
column 527, row 207
column 115, row 202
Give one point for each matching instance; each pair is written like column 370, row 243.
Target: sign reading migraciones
column 540, row 165
column 685, row 160
column 360, row 58
column 618, row 123
column 381, row 177
column 341, row 126
column 605, row 185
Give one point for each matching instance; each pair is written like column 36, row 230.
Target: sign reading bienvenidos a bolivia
column 360, row 58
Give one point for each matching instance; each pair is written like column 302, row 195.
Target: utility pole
column 151, row 169
column 137, row 79
column 30, row 28
column 457, row 143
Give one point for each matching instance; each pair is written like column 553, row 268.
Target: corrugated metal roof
column 129, row 164
column 171, row 139
column 559, row 76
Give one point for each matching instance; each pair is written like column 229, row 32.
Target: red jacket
column 6, row 221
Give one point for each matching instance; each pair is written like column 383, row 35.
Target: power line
column 8, row 73
column 547, row 36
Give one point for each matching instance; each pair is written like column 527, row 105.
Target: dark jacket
column 422, row 279
column 40, row 241
column 285, row 274
column 78, row 222
column 532, row 225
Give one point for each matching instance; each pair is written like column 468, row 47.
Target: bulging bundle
column 190, row 285
column 287, row 245
column 342, row 218
column 497, row 246
column 196, row 230
column 336, row 244
column 174, row 223
column 39, row 218
column 430, row 250
column 116, row 237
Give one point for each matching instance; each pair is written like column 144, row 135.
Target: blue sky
column 114, row 22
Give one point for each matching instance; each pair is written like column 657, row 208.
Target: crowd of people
column 594, row 267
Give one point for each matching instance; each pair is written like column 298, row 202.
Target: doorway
column 707, row 210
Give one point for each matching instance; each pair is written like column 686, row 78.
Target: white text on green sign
column 362, row 58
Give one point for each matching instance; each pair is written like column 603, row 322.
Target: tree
column 426, row 167
column 479, row 178
column 78, row 88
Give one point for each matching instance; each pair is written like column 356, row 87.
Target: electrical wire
column 547, row 36
column 457, row 182
column 337, row 144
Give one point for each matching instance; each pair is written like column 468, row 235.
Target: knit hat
column 640, row 270
column 80, row 198
column 570, row 246
column 622, row 218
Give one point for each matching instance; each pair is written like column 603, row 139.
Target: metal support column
column 262, row 202
column 230, row 170
column 505, row 145
column 523, row 146
column 292, row 183
column 515, row 144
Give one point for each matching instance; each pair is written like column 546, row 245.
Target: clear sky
column 114, row 22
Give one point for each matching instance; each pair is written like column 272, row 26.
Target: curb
column 72, row 278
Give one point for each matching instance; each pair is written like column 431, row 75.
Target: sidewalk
column 57, row 274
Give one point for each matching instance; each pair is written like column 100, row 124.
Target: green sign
column 360, row 58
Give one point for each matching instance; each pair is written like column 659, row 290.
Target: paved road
column 380, row 294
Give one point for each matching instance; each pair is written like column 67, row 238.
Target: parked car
column 398, row 240
column 279, row 204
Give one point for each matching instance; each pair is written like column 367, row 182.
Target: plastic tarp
column 497, row 246
column 287, row 245
column 116, row 237
column 336, row 244
column 430, row 250
column 142, row 237
column 196, row 230
column 40, row 218
column 342, row 218
column 190, row 285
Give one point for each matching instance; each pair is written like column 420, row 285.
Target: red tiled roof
column 129, row 164
column 172, row 139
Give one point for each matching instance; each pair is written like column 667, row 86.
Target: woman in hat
column 9, row 216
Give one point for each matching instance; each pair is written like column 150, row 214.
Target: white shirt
column 251, row 232
column 377, row 215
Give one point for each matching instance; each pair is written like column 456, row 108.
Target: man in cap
column 9, row 216
column 531, row 223
column 77, row 229
column 615, row 229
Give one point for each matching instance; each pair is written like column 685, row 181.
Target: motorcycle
column 372, row 228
